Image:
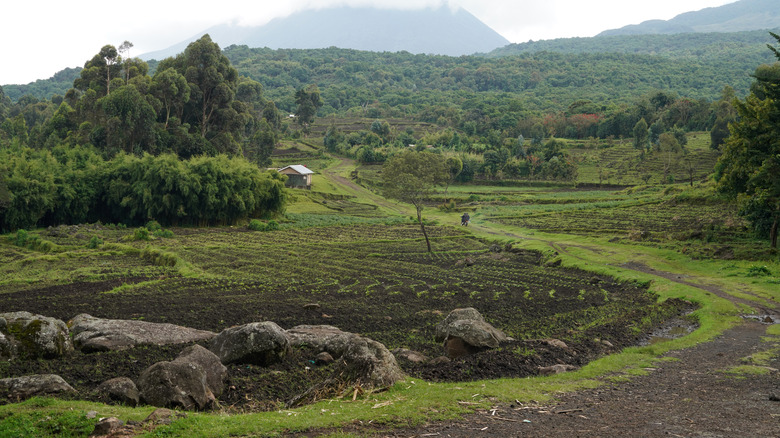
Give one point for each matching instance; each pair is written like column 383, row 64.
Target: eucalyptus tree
column 412, row 177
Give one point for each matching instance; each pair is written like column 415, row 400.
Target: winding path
column 689, row 393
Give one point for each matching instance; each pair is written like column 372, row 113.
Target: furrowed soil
column 374, row 280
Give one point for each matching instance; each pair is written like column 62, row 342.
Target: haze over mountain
column 733, row 17
column 440, row 31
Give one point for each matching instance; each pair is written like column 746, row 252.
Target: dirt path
column 332, row 174
column 693, row 394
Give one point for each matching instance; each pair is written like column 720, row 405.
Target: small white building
column 298, row 176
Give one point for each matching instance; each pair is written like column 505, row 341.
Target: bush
column 94, row 242
column 153, row 226
column 21, row 238
column 272, row 226
column 141, row 233
column 256, row 225
column 758, row 271
column 163, row 233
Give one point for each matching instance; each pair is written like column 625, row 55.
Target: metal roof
column 301, row 169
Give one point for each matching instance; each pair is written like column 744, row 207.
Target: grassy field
column 340, row 247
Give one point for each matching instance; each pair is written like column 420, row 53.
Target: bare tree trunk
column 422, row 227
column 772, row 234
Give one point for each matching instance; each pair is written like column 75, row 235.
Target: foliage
column 749, row 168
column 141, row 233
column 94, row 242
column 411, row 176
column 256, row 225
column 75, row 185
column 195, row 104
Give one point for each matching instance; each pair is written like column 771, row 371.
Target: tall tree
column 308, row 100
column 213, row 82
column 641, row 134
column 411, row 177
column 749, row 168
column 172, row 90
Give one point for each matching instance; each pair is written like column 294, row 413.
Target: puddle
column 764, row 319
column 673, row 329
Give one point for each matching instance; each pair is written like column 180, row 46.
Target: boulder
column 192, row 381
column 369, row 363
column 365, row 364
column 20, row 388
column 210, row 363
column 176, row 385
column 121, row 390
column 320, row 338
column 7, row 348
column 259, row 343
column 98, row 334
column 107, row 426
column 34, row 336
column 465, row 331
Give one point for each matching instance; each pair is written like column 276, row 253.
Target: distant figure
column 464, row 220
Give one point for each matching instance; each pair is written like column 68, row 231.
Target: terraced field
column 376, row 280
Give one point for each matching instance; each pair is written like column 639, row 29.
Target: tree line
column 183, row 146
column 74, row 184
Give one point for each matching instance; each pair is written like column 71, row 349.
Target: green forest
column 511, row 114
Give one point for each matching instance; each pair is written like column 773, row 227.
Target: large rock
column 211, row 365
column 7, row 348
column 20, row 388
column 365, row 364
column 192, row 381
column 97, row 334
column 33, row 336
column 259, row 343
column 121, row 390
column 176, row 385
column 320, row 338
column 465, row 331
column 369, row 363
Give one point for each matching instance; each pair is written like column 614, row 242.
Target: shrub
column 21, row 238
column 141, row 233
column 94, row 242
column 153, row 226
column 163, row 233
column 758, row 271
column 256, row 225
column 272, row 225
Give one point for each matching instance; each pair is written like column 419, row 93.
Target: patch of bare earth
column 692, row 395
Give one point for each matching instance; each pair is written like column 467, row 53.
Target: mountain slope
column 733, row 17
column 439, row 31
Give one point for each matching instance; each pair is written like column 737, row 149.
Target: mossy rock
column 36, row 336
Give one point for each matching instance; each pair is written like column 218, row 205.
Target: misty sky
column 39, row 38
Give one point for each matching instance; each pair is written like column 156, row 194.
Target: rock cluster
column 195, row 379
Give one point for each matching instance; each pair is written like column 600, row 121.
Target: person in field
column 464, row 220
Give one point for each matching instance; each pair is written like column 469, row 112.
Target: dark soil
column 692, row 396
column 204, row 305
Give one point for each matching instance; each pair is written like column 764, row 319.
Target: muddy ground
column 253, row 388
